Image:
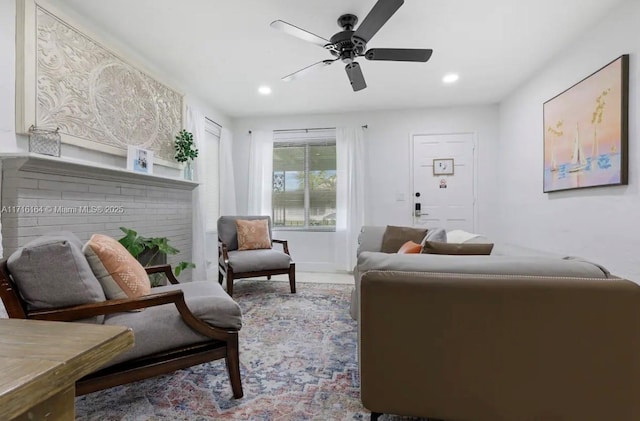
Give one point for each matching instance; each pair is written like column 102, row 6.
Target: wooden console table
column 41, row 361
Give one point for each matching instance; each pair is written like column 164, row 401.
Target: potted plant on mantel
column 150, row 251
column 185, row 152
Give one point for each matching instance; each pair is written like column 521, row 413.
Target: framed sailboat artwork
column 586, row 130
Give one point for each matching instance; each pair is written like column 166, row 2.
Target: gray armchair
column 182, row 324
column 236, row 264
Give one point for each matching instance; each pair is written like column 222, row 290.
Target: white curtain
column 350, row 194
column 1, row 250
column 196, row 125
column 227, row 179
column 260, row 173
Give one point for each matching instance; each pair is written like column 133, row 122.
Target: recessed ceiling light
column 450, row 78
column 264, row 90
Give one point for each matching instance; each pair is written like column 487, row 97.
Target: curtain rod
column 214, row 122
column 366, row 126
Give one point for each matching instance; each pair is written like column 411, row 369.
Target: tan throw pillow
column 410, row 248
column 253, row 234
column 433, row 247
column 395, row 237
column 119, row 273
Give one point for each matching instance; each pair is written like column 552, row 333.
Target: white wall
column 600, row 224
column 8, row 139
column 7, row 70
column 387, row 166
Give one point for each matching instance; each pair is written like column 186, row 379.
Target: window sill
column 310, row 229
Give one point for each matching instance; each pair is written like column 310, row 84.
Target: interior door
column 443, row 181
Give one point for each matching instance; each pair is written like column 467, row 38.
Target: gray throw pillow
column 456, row 248
column 435, row 234
column 394, row 237
column 51, row 271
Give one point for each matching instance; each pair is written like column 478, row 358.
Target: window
column 209, row 154
column 304, row 180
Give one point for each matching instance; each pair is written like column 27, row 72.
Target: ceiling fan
column 347, row 45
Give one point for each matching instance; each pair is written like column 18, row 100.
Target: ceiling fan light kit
column 347, row 45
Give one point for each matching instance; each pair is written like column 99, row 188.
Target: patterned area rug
column 297, row 357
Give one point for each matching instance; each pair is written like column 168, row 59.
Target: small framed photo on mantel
column 139, row 160
column 443, row 166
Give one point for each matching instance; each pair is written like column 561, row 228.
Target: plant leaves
column 182, row 266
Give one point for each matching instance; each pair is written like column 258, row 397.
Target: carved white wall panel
column 98, row 100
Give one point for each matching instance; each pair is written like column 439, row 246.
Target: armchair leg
column 268, row 277
column 292, row 277
column 230, row 282
column 233, row 366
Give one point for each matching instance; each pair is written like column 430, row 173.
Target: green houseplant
column 150, row 251
column 185, row 151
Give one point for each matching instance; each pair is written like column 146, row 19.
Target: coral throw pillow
column 410, row 248
column 119, row 273
column 253, row 234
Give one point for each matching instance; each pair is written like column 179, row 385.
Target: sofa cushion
column 432, row 247
column 499, row 265
column 507, row 249
column 119, row 273
column 253, row 234
column 253, row 260
column 161, row 328
column 410, row 248
column 394, row 237
column 51, row 272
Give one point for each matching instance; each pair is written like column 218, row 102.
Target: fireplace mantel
column 90, row 170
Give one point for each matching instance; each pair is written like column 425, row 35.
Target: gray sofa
column 468, row 347
column 516, row 335
column 505, row 259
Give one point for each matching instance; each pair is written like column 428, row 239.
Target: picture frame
column 139, row 160
column 114, row 96
column 586, row 131
column 443, row 166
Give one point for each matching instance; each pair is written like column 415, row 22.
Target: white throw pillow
column 460, row 236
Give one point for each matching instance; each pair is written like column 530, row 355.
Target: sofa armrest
column 488, row 347
column 84, row 311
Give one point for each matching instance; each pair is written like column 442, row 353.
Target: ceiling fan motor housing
column 342, row 45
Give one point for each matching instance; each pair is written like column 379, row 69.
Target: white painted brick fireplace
column 42, row 194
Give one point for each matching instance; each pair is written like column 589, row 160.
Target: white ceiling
column 223, row 50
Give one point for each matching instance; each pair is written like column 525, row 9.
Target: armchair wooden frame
column 223, row 343
column 224, row 269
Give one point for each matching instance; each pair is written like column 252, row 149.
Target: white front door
column 443, row 181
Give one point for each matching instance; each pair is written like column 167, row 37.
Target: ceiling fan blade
column 303, row 72
column 354, row 72
column 378, row 16
column 299, row 33
column 399, row 54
